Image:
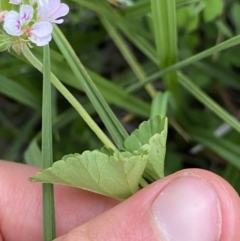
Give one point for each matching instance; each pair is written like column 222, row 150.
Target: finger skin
column 21, row 205
column 20, row 209
column 132, row 220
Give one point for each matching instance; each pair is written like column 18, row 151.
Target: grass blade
column 47, row 158
column 181, row 64
column 208, row 102
column 228, row 150
column 165, row 33
column 71, row 99
column 19, row 93
column 127, row 54
column 113, row 125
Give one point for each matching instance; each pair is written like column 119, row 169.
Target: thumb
column 188, row 205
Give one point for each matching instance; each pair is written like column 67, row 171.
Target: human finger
column 21, row 208
column 188, row 205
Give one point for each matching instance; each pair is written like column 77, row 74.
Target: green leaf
column 98, row 172
column 150, row 136
column 213, row 9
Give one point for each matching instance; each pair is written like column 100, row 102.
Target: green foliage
column 117, row 175
column 151, row 137
column 102, row 171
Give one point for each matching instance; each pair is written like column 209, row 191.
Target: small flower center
column 28, row 30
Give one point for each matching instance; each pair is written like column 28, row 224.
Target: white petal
column 26, row 14
column 43, row 8
column 12, row 23
column 54, row 5
column 40, row 41
column 61, row 11
column 51, row 10
column 41, row 29
column 47, row 7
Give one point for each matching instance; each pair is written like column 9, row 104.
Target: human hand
column 190, row 205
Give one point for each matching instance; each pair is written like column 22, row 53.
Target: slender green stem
column 113, row 125
column 72, row 100
column 49, row 231
column 47, row 158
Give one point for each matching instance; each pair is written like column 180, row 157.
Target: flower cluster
column 31, row 20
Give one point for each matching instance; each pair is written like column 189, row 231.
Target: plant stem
column 113, row 125
column 47, row 159
column 72, row 100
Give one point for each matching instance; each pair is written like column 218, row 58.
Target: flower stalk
column 47, row 158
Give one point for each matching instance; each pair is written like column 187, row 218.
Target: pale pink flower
column 52, row 10
column 18, row 24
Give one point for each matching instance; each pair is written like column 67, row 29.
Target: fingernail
column 187, row 209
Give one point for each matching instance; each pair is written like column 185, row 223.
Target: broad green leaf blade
column 146, row 130
column 150, row 137
column 157, row 150
column 97, row 172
